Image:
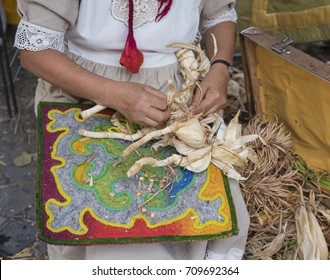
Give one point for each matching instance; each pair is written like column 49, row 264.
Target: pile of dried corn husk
column 289, row 204
column 288, row 220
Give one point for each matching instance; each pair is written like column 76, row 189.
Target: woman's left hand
column 211, row 96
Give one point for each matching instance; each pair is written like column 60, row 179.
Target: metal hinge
column 282, row 46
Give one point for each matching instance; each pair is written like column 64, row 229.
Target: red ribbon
column 132, row 57
column 162, row 13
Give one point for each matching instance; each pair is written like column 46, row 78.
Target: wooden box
column 285, row 82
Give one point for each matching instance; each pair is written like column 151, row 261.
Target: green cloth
column 303, row 21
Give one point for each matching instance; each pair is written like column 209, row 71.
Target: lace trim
column 36, row 38
column 229, row 15
column 144, row 11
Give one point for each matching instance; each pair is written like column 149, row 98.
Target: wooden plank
column 301, row 59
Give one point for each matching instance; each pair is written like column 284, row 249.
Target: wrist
column 223, row 63
column 105, row 92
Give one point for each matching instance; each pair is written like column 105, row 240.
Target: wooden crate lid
column 295, row 88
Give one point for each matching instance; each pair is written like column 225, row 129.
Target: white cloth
column 232, row 248
column 103, row 41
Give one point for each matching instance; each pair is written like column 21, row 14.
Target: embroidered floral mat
column 85, row 197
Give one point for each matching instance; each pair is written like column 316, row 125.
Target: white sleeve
column 44, row 23
column 215, row 12
column 32, row 37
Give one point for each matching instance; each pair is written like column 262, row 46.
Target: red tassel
column 131, row 57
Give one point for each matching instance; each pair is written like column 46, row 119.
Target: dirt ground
column 17, row 184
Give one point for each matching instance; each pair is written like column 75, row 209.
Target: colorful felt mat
column 85, row 197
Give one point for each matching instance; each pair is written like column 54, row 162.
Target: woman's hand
column 212, row 94
column 139, row 103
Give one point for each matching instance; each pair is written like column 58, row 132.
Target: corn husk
column 85, row 114
column 181, row 147
column 228, row 169
column 230, row 150
column 273, row 247
column 198, row 160
column 220, row 153
column 310, row 237
column 192, row 133
column 232, row 132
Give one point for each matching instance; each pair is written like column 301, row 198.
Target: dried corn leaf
column 23, row 159
column 272, row 248
column 25, row 253
column 310, row 237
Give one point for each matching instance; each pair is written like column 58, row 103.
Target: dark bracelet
column 229, row 66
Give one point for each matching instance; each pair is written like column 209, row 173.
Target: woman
column 114, row 53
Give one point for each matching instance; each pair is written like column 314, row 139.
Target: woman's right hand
column 139, row 103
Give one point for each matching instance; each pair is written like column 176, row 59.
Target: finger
column 214, row 109
column 155, row 92
column 147, row 100
column 159, row 103
column 158, row 116
column 203, row 106
column 143, row 120
column 196, row 99
column 149, row 123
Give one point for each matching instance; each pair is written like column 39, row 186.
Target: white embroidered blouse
column 97, row 30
